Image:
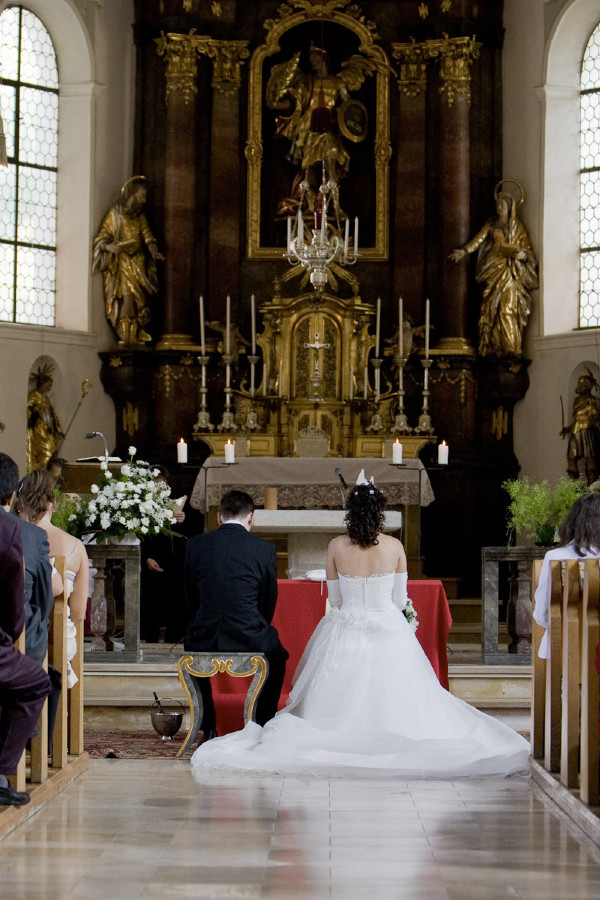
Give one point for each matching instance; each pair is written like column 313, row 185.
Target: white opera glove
column 334, row 594
column 399, row 592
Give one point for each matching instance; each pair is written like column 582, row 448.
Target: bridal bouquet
column 411, row 615
column 134, row 501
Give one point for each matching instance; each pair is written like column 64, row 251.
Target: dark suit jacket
column 12, row 587
column 231, row 591
column 38, row 589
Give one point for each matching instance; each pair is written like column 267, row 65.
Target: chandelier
column 326, row 247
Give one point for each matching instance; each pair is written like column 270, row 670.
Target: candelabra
column 227, row 422
column 401, row 425
column 324, row 249
column 424, row 426
column 203, row 422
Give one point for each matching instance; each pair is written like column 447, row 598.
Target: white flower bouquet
column 411, row 615
column 135, row 501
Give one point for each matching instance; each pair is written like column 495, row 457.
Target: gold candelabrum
column 323, row 381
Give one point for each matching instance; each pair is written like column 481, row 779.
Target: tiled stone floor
column 131, row 829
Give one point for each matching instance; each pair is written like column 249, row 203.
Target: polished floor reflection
column 129, row 829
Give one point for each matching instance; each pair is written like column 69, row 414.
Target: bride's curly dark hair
column 365, row 507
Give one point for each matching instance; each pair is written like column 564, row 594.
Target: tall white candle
column 346, row 238
column 182, row 451
column 365, row 383
column 396, row 452
column 229, row 452
column 427, row 329
column 400, row 328
column 356, row 235
column 202, row 336
column 377, row 327
column 443, row 451
column 253, row 322
column 228, row 325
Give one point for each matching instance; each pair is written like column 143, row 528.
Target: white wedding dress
column 367, row 702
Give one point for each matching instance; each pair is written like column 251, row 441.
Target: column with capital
column 455, row 56
column 224, row 250
column 180, row 55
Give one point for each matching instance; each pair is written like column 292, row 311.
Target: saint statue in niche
column 317, row 113
column 44, row 433
column 584, row 430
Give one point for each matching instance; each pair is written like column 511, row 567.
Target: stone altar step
column 120, row 695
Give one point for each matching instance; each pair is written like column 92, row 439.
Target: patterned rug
column 131, row 744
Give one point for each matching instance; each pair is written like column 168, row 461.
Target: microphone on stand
column 93, row 434
column 343, row 485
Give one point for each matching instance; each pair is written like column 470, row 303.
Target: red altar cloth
column 300, row 606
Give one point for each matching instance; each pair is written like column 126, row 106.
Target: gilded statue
column 44, row 434
column 507, row 272
column 584, row 431
column 125, row 251
column 317, row 107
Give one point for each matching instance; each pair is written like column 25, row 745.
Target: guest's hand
column 153, row 566
column 179, row 516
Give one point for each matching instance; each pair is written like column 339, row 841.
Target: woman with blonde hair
column 35, row 503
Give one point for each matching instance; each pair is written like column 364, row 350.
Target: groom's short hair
column 236, row 505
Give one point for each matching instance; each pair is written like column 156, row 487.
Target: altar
column 308, row 533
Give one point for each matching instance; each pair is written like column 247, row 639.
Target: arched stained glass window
column 29, row 109
column 589, row 294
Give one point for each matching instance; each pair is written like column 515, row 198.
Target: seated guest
column 55, row 466
column 231, row 591
column 35, row 502
column 23, row 683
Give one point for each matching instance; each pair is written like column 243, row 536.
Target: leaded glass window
column 589, row 294
column 29, row 109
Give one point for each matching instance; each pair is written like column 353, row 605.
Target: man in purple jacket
column 23, row 683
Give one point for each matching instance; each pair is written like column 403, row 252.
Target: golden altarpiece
column 323, row 370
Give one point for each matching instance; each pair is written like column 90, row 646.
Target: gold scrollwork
column 227, row 57
column 462, row 379
column 412, row 79
column 179, row 51
column 168, row 375
column 131, row 418
column 456, row 58
column 499, row 423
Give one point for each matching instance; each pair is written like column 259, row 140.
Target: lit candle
column 396, row 452
column 264, row 392
column 443, row 454
column 228, row 324
column 182, row 448
column 229, row 452
column 202, row 338
column 365, row 383
column 356, row 235
column 351, row 382
column 400, row 329
column 346, row 238
column 377, row 327
column 427, row 329
column 253, row 322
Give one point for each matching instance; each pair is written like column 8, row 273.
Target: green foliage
column 535, row 506
column 68, row 513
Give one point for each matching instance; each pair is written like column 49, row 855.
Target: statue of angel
column 315, row 105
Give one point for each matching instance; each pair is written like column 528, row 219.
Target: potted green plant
column 537, row 509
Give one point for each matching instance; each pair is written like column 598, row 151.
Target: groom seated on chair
column 231, row 592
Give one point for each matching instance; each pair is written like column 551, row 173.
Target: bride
column 366, row 700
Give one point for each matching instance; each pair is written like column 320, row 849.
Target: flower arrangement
column 134, row 501
column 411, row 615
column 537, row 509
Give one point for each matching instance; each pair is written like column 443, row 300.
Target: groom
column 231, row 592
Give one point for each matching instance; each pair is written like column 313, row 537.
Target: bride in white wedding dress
column 366, row 700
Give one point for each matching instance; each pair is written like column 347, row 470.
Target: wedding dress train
column 367, row 702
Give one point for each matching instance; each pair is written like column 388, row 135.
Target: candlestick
column 253, row 322
column 377, row 383
column 264, row 390
column 377, row 326
column 356, row 236
column 400, row 328
column 351, row 379
column 443, row 451
column 289, row 233
column 427, row 329
column 229, row 452
column 182, row 451
column 365, row 383
column 300, row 230
column 228, row 324
column 396, row 452
column 346, row 238
column 280, row 378
column 323, row 222
column 204, row 376
column 202, row 337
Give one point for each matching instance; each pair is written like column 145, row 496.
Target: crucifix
column 316, row 381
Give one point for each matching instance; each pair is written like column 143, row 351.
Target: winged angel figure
column 310, row 121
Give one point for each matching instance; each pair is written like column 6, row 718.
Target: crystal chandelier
column 326, row 246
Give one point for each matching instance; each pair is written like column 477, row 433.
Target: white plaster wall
column 96, row 74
